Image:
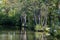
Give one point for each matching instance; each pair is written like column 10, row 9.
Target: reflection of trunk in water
column 40, row 36
column 23, row 34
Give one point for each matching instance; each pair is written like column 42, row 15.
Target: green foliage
column 38, row 27
column 10, row 13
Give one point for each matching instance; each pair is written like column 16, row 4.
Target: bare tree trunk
column 23, row 32
column 35, row 19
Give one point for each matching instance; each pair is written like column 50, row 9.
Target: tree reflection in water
column 30, row 36
column 9, row 36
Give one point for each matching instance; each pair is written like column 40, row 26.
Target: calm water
column 9, row 36
column 12, row 35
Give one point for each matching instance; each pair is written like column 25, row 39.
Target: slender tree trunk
column 23, row 32
column 35, row 21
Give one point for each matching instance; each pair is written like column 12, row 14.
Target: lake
column 9, row 35
column 15, row 35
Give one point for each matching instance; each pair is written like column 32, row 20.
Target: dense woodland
column 30, row 14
